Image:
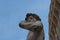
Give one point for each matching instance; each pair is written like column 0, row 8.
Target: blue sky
column 13, row 11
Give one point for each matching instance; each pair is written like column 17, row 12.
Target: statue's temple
column 54, row 20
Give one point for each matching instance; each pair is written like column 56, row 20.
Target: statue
column 34, row 25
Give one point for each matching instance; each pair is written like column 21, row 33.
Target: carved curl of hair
column 34, row 15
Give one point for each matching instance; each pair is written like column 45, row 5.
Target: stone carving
column 33, row 23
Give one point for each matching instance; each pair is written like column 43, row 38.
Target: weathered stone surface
column 33, row 23
column 54, row 20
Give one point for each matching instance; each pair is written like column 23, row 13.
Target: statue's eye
column 31, row 18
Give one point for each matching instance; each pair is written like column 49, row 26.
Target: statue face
column 31, row 19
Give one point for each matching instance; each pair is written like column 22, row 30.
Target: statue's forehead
column 31, row 16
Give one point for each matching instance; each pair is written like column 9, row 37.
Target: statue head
column 32, row 17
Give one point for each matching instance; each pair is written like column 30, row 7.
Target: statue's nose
column 20, row 25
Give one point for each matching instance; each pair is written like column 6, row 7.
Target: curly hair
column 34, row 15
